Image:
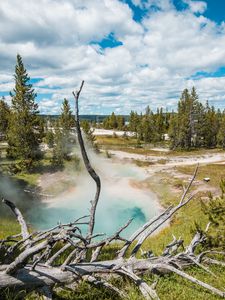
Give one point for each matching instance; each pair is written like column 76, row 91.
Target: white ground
column 171, row 160
column 108, row 132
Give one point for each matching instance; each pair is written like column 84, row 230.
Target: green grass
column 172, row 286
column 130, row 145
column 215, row 172
column 169, row 191
column 31, row 178
column 8, row 227
column 110, row 141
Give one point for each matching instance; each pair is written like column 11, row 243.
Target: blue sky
column 131, row 53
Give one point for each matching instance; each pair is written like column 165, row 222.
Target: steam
column 14, row 190
column 119, row 200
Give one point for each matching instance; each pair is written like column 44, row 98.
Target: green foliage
column 58, row 150
column 215, row 210
column 66, row 118
column 134, row 122
column 24, row 129
column 211, row 127
column 184, row 128
column 195, row 125
column 63, row 138
column 88, row 131
column 66, row 123
column 221, row 132
column 49, row 138
column 114, row 122
column 148, row 127
column 4, row 116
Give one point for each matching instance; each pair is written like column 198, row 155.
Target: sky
column 130, row 53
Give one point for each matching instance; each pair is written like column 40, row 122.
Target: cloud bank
column 126, row 62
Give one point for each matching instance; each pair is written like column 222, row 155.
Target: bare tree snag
column 88, row 166
column 30, row 261
column 19, row 216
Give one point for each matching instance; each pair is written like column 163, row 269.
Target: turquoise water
column 119, row 200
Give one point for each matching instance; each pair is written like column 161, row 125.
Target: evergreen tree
column 173, row 131
column 66, row 118
column 49, row 138
column 4, row 116
column 221, row 132
column 147, row 126
column 215, row 210
column 120, row 122
column 88, row 131
column 66, row 123
column 113, row 121
column 186, row 126
column 24, row 133
column 134, row 122
column 159, row 125
column 211, row 127
column 58, row 149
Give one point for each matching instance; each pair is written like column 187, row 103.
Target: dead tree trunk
column 28, row 261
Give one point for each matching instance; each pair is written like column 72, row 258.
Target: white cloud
column 160, row 4
column 196, row 6
column 152, row 66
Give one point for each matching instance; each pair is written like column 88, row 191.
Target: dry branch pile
column 29, row 260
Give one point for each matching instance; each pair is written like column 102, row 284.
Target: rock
column 206, row 179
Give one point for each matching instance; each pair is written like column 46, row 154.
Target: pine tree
column 88, row 131
column 58, row 149
column 4, row 117
column 173, row 131
column 221, row 132
column 49, row 138
column 159, row 125
column 120, row 122
column 186, row 126
column 113, row 121
column 185, row 115
column 24, row 133
column 66, row 123
column 147, row 126
column 211, row 127
column 215, row 210
column 134, row 122
column 66, row 118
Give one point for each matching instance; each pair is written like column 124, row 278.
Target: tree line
column 193, row 125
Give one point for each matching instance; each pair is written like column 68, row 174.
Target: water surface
column 120, row 200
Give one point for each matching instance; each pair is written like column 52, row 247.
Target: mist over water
column 13, row 189
column 120, row 199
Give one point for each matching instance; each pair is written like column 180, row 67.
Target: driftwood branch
column 37, row 260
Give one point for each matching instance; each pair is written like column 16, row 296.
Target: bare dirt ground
column 60, row 182
column 170, row 161
column 56, row 183
column 168, row 164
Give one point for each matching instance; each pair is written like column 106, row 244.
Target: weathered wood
column 87, row 163
column 19, row 217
